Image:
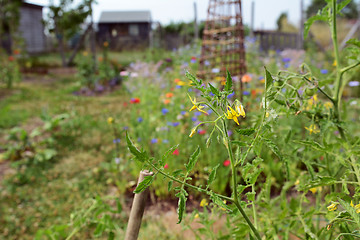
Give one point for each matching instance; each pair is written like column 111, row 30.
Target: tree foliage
column 349, row 12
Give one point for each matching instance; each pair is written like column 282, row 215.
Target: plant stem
column 189, row 185
column 234, row 182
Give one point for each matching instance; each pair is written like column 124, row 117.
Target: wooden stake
column 137, row 210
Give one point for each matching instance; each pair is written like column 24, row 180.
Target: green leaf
column 219, row 202
column 170, row 183
column 341, row 5
column 214, row 90
column 192, row 78
column 350, row 210
column 274, row 148
column 167, row 154
column 192, row 160
column 181, row 206
column 321, row 16
column 49, row 153
column 229, row 83
column 288, row 136
column 144, row 184
column 245, row 132
column 312, row 144
column 141, row 156
column 239, row 143
column 212, row 174
column 268, row 79
column 354, row 42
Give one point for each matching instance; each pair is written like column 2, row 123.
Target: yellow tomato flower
column 334, row 63
column 195, row 106
column 203, row 203
column 313, row 190
column 196, row 216
column 234, row 114
column 110, row 120
column 312, row 129
column 351, row 204
column 193, row 131
column 332, row 207
column 357, row 208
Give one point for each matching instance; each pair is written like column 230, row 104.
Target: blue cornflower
column 230, row 95
column 164, row 111
column 154, row 140
column 139, row 139
column 165, row 141
column 211, row 94
column 209, row 111
column 324, row 71
column 126, row 128
column 246, row 93
column 286, row 60
column 140, row 119
column 197, row 114
column 230, row 133
column 183, row 112
column 287, row 65
column 354, row 83
column 261, row 78
column 175, row 124
column 194, row 119
column 178, row 86
column 117, row 140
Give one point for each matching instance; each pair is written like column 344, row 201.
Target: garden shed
column 125, row 29
column 31, row 27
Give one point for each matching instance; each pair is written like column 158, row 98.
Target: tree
column 66, row 21
column 349, row 12
column 9, row 21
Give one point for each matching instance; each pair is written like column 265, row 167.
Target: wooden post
column 137, row 210
column 196, row 35
column 252, row 19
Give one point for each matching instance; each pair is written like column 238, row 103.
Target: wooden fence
column 271, row 40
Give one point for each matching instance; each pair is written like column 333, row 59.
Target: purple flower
column 164, row 111
column 354, row 83
column 117, row 160
column 126, row 128
column 154, row 140
column 139, row 139
column 178, row 86
column 175, row 124
column 165, row 141
column 261, row 78
column 324, row 71
column 246, row 93
column 287, row 65
column 194, row 119
column 207, row 63
column 197, row 114
column 211, row 94
column 286, row 60
column 183, row 112
column 117, row 140
column 230, row 95
column 230, row 133
column 300, row 92
column 209, row 111
column 140, row 119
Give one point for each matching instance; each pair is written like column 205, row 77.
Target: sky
column 165, row 11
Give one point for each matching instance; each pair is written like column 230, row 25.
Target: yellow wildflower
column 203, row 203
column 234, row 114
column 334, row 63
column 267, row 114
column 328, row 105
column 332, row 207
column 239, row 108
column 297, row 182
column 351, row 204
column 85, row 53
column 313, row 190
column 312, row 129
column 110, row 120
column 357, row 208
column 196, row 216
column 195, row 106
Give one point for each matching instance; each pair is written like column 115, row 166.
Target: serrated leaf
column 212, row 175
column 192, row 78
column 229, row 83
column 245, row 132
column 319, row 17
column 219, row 202
column 192, row 160
column 170, row 183
column 274, row 148
column 239, row 143
column 181, row 207
column 144, row 184
column 214, row 90
column 141, row 156
column 350, row 210
column 341, row 5
column 312, row 144
column 268, row 79
column 165, row 156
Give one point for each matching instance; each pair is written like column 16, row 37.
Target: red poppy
column 135, row 100
column 202, row 132
column 125, row 104
column 11, row 58
column 226, row 163
column 166, row 166
column 253, row 93
column 16, row 51
column 175, row 152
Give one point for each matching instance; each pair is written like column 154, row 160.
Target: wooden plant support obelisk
column 137, row 210
column 223, row 42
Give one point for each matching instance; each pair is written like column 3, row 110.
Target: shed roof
column 125, row 16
